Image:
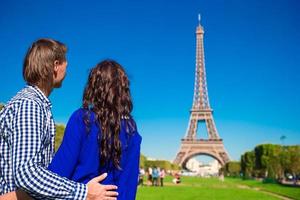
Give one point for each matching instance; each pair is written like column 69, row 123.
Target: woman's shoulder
column 80, row 117
column 80, row 113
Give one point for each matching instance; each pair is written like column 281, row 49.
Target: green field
column 194, row 188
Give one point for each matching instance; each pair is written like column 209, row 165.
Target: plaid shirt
column 27, row 133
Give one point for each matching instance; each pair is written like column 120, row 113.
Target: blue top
column 78, row 156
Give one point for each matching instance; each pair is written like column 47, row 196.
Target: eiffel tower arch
column 201, row 112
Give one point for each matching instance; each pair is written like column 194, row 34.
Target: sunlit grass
column 292, row 192
column 194, row 188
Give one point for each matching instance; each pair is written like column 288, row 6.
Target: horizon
column 251, row 51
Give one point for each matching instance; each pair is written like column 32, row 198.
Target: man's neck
column 46, row 90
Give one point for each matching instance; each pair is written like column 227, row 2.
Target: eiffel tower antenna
column 199, row 19
column 201, row 112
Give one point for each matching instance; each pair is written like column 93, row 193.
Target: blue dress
column 78, row 156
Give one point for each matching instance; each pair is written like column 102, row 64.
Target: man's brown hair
column 39, row 61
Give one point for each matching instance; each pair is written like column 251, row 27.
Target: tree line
column 1, row 106
column 267, row 161
column 163, row 164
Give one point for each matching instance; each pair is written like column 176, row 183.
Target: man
column 27, row 133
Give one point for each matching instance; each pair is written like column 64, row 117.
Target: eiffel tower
column 201, row 112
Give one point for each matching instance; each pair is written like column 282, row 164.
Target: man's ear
column 55, row 68
column 56, row 63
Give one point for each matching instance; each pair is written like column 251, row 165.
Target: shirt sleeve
column 27, row 153
column 128, row 180
column 66, row 157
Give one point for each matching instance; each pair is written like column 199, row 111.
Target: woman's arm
column 65, row 159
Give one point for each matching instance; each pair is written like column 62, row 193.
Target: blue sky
column 252, row 55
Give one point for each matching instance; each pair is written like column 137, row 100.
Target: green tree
column 268, row 160
column 271, row 161
column 233, row 168
column 143, row 160
column 248, row 164
column 167, row 165
column 175, row 167
column 291, row 160
column 1, row 106
column 60, row 129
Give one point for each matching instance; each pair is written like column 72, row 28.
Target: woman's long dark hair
column 107, row 94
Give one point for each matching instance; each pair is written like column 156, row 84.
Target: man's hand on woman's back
column 96, row 191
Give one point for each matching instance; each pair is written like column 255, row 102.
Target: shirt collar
column 40, row 95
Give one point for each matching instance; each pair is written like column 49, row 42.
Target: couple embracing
column 99, row 155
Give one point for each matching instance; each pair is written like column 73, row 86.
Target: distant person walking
column 221, row 177
column 162, row 176
column 155, row 175
column 141, row 176
column 149, row 176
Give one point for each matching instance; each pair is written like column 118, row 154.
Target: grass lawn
column 194, row 188
column 287, row 191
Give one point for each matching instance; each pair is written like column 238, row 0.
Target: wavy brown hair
column 107, row 94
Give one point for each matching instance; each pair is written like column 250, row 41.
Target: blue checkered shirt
column 27, row 133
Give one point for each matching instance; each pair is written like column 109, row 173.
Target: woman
column 102, row 136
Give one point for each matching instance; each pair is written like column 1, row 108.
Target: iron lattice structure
column 201, row 112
